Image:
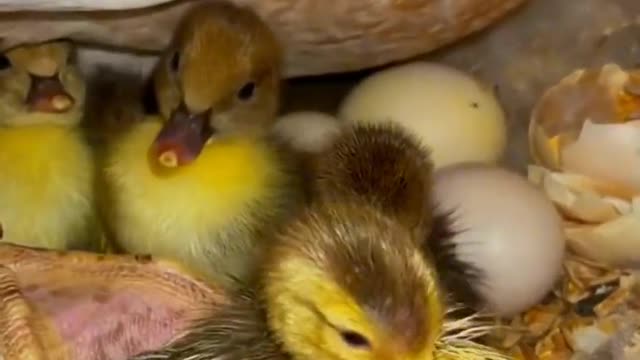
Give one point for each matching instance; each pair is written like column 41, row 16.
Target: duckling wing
column 237, row 331
column 79, row 305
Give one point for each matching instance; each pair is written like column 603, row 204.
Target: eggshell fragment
column 589, row 124
column 608, row 152
column 508, row 229
column 308, row 131
column 603, row 226
column 453, row 114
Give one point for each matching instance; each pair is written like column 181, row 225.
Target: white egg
column 455, row 115
column 509, row 230
column 308, row 131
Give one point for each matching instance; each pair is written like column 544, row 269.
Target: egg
column 459, row 118
column 308, row 131
column 508, row 229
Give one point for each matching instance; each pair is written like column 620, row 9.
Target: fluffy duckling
column 202, row 183
column 388, row 166
column 46, row 182
column 342, row 282
column 385, row 165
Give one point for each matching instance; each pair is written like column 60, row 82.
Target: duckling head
column 346, row 282
column 40, row 85
column 383, row 163
column 219, row 77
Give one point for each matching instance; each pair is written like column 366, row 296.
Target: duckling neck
column 229, row 172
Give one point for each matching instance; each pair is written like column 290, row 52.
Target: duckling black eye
column 354, row 339
column 175, row 61
column 4, row 62
column 247, row 91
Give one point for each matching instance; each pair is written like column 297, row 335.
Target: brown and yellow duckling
column 389, row 167
column 46, row 182
column 202, row 182
column 343, row 282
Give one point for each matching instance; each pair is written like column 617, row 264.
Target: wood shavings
column 588, row 315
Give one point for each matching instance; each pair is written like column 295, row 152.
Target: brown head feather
column 384, row 164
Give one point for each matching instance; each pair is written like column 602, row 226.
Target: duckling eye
column 354, row 339
column 247, row 91
column 4, row 62
column 175, row 61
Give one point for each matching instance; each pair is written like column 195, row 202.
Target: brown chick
column 203, row 182
column 343, row 281
column 388, row 166
column 384, row 164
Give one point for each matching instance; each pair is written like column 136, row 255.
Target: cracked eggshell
column 455, row 115
column 589, row 124
column 603, row 227
column 508, row 229
column 308, row 131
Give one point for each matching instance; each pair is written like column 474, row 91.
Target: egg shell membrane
column 77, row 305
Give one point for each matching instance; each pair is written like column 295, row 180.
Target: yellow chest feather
column 46, row 185
column 170, row 211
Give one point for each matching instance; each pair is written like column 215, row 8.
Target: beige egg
column 508, row 229
column 459, row 118
column 308, row 131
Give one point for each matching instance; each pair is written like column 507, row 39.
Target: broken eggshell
column 585, row 140
column 589, row 124
column 600, row 226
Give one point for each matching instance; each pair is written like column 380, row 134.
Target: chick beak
column 182, row 138
column 47, row 94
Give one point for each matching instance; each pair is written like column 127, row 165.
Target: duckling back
column 385, row 165
column 213, row 214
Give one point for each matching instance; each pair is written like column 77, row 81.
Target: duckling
column 388, row 165
column 342, row 281
column 46, row 182
column 384, row 164
column 201, row 182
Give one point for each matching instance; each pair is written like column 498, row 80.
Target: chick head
column 40, row 85
column 383, row 163
column 345, row 282
column 220, row 76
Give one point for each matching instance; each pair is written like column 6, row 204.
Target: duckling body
column 339, row 283
column 47, row 177
column 45, row 186
column 389, row 167
column 209, row 214
column 343, row 281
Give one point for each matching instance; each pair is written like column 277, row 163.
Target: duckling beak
column 182, row 138
column 47, row 94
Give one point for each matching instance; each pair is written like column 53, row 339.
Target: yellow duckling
column 47, row 175
column 202, row 183
column 342, row 282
